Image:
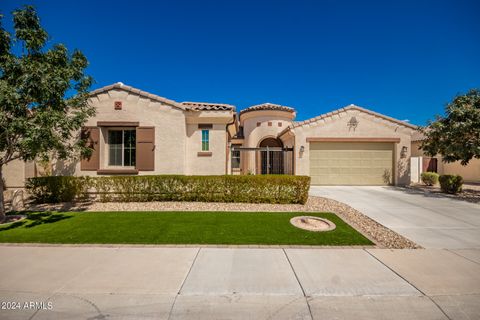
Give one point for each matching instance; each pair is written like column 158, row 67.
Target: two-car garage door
column 351, row 163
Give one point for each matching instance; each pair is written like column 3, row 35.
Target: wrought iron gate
column 262, row 160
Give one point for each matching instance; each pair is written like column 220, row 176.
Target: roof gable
column 354, row 107
column 144, row 94
column 347, row 108
column 195, row 106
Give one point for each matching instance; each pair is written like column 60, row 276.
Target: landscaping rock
column 470, row 192
column 14, row 200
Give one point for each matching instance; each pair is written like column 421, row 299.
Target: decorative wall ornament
column 353, row 123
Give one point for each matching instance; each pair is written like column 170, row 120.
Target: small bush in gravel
column 430, row 178
column 451, row 183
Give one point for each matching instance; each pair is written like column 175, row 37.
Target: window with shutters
column 122, row 147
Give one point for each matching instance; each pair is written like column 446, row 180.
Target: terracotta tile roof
column 207, row 106
column 268, row 106
column 141, row 93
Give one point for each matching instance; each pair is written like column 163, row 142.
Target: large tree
column 456, row 136
column 43, row 95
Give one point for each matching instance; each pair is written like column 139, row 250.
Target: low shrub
column 54, row 189
column 430, row 178
column 451, row 183
column 227, row 188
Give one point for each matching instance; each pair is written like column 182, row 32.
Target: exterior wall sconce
column 302, row 149
column 353, row 123
column 403, row 153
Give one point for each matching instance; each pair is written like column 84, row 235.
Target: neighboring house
column 423, row 163
column 138, row 133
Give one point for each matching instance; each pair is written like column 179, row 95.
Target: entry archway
column 271, row 142
column 271, row 161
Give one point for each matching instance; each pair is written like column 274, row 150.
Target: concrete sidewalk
column 431, row 220
column 224, row 283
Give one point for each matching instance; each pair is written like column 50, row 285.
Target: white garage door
column 351, row 163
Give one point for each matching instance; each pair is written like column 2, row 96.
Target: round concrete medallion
column 312, row 223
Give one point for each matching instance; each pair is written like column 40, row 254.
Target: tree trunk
column 2, row 202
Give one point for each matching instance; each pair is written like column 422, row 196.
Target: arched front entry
column 271, row 161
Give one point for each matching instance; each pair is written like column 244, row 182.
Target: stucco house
column 138, row 133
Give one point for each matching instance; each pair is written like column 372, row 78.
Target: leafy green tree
column 456, row 136
column 43, row 95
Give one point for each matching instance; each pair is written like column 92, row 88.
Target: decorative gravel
column 379, row 234
column 470, row 192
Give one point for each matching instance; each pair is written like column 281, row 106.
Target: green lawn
column 271, row 228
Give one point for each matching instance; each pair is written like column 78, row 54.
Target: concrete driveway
column 237, row 283
column 432, row 221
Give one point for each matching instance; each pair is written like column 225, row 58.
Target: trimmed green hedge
column 451, row 183
column 57, row 189
column 227, row 188
column 430, row 178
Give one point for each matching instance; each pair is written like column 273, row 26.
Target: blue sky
column 405, row 59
